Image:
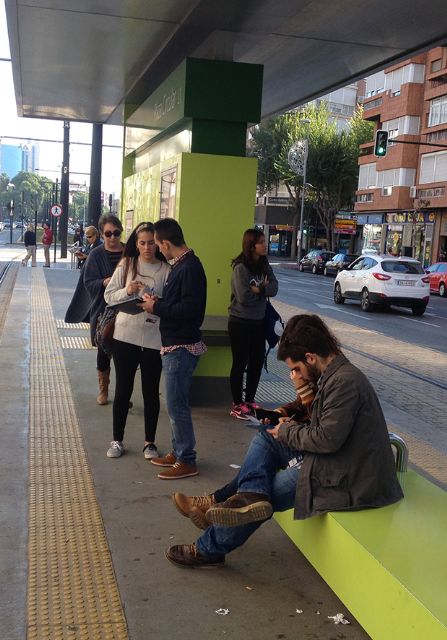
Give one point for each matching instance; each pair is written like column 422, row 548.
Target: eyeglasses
column 116, row 233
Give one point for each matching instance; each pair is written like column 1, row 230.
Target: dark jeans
column 178, row 368
column 102, row 360
column 259, row 473
column 248, row 349
column 126, row 358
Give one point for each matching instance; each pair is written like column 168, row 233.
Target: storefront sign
column 409, row 216
column 345, row 223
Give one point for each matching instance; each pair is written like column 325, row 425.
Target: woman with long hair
column 136, row 338
column 252, row 282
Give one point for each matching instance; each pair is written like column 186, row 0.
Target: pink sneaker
column 253, row 406
column 240, row 411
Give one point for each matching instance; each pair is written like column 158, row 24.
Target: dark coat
column 88, row 299
column 348, row 462
column 182, row 308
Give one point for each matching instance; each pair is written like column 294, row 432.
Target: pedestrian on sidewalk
column 181, row 311
column 93, row 240
column 47, row 240
column 29, row 240
column 339, row 460
column 252, row 282
column 136, row 339
column 88, row 299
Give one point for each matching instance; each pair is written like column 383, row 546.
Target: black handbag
column 105, row 326
column 270, row 319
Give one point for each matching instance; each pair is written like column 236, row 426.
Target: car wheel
column 418, row 311
column 442, row 290
column 301, row 268
column 325, row 272
column 314, row 269
column 365, row 302
column 338, row 298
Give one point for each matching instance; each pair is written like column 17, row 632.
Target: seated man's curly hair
column 307, row 333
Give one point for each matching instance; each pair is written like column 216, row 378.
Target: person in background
column 47, row 240
column 136, row 338
column 77, row 244
column 181, row 311
column 88, row 300
column 252, row 282
column 29, row 240
column 93, row 240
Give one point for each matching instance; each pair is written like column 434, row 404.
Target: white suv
column 384, row 280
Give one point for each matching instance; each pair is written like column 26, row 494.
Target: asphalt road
column 314, row 293
column 5, row 235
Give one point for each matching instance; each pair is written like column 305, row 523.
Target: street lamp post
column 297, row 158
column 306, row 122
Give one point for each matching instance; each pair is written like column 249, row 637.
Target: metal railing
column 401, row 451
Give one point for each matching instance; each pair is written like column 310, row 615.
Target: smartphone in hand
column 272, row 416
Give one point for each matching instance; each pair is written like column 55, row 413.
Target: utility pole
column 94, row 199
column 65, row 180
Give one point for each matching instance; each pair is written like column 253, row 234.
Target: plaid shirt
column 197, row 348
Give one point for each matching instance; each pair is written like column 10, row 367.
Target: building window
column 367, row 176
column 433, row 167
column 436, row 65
column 437, row 136
column 365, row 197
column 438, row 111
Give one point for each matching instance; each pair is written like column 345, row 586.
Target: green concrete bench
column 389, row 565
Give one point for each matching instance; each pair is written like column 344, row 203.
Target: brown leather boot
column 103, row 381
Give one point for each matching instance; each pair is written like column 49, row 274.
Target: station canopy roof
column 84, row 59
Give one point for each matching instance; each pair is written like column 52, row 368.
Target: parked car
column 437, row 275
column 6, row 225
column 339, row 261
column 384, row 280
column 19, row 225
column 315, row 260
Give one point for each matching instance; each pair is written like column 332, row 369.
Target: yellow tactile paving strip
column 76, row 342
column 60, row 324
column 72, row 590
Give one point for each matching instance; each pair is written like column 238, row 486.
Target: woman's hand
column 106, row 281
column 255, row 289
column 133, row 287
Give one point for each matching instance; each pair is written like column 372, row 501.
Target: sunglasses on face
column 109, row 234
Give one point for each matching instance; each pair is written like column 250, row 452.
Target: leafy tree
column 332, row 167
column 29, row 190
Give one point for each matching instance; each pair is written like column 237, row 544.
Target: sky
column 50, row 154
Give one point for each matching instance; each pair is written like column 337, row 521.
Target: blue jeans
column 178, row 367
column 259, row 474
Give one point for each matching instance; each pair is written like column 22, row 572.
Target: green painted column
column 185, row 157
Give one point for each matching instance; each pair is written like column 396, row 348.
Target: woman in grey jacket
column 136, row 338
column 252, row 282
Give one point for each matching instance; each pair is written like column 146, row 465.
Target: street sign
column 56, row 210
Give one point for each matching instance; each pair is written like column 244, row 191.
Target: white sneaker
column 150, row 452
column 116, row 449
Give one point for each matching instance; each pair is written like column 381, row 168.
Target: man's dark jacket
column 348, row 462
column 182, row 308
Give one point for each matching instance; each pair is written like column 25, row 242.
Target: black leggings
column 126, row 358
column 248, row 349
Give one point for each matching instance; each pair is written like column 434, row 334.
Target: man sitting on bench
column 339, row 460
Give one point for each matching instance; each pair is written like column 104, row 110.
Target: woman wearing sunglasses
column 136, row 338
column 97, row 272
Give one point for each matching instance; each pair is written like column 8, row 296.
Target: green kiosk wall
column 185, row 158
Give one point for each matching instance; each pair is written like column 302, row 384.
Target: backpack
column 271, row 319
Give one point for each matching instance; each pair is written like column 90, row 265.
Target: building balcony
column 383, row 199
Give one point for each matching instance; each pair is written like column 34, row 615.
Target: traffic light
column 381, row 143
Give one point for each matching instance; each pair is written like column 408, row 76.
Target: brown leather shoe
column 179, row 470
column 194, row 507
column 166, row 461
column 187, row 555
column 241, row 508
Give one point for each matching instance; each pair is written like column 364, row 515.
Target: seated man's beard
column 313, row 372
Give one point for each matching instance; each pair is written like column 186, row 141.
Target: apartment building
column 401, row 201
